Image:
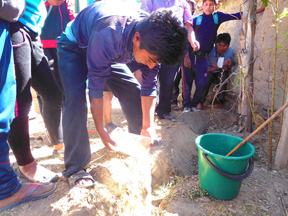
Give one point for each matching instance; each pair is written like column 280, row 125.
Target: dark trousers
column 73, row 71
column 166, row 80
column 198, row 72
column 9, row 183
column 216, row 77
column 51, row 54
column 176, row 90
column 32, row 69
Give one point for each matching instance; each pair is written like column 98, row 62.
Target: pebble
column 263, row 208
column 232, row 211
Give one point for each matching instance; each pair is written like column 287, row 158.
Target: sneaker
column 194, row 109
column 186, row 109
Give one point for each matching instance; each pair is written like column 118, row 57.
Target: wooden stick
column 259, row 128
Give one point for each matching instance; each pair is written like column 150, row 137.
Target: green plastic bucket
column 220, row 175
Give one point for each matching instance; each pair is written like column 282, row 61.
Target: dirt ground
column 163, row 182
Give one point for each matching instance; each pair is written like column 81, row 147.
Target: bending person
column 103, row 35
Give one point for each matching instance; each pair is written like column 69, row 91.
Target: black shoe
column 166, row 116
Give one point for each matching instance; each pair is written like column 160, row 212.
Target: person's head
column 222, row 43
column 159, row 38
column 192, row 5
column 209, row 6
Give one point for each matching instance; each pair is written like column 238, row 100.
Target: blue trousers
column 73, row 72
column 197, row 72
column 167, row 76
column 9, row 183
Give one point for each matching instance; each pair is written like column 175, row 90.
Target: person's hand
column 106, row 139
column 215, row 66
column 187, row 62
column 55, row 2
column 148, row 132
column 228, row 62
column 196, row 45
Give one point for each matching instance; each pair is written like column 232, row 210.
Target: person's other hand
column 55, row 2
column 228, row 62
column 106, row 139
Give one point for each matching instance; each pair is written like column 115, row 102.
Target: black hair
column 164, row 36
column 224, row 37
column 215, row 1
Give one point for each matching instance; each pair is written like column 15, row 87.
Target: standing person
column 32, row 70
column 12, row 192
column 176, row 90
column 223, row 52
column 167, row 73
column 103, row 35
column 195, row 64
column 55, row 23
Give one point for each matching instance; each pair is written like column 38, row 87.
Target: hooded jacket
column 57, row 19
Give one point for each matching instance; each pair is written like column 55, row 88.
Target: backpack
column 199, row 21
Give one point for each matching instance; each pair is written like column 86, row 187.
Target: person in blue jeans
column 32, row 70
column 12, row 192
column 93, row 46
column 195, row 65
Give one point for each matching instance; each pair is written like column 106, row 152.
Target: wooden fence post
column 282, row 149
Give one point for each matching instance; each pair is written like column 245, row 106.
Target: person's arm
column 148, row 95
column 148, row 108
column 188, row 20
column 11, row 11
column 213, row 68
column 97, row 113
column 147, row 6
column 99, row 55
column 191, row 37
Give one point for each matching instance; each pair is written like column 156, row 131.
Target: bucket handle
column 231, row 176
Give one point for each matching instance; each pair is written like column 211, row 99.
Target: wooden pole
column 282, row 149
column 259, row 128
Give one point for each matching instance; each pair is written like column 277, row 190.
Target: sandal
column 27, row 197
column 77, row 176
